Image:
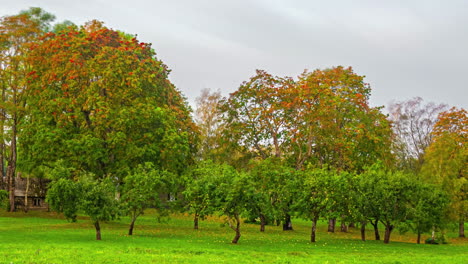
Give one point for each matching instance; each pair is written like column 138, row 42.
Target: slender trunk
column 98, row 230
column 344, row 227
column 331, row 225
column 363, row 230
column 419, row 237
column 11, row 170
column 26, row 204
column 262, row 223
column 461, row 227
column 388, row 231
column 132, row 224
column 287, row 225
column 195, row 221
column 236, row 229
column 314, row 228
column 376, row 229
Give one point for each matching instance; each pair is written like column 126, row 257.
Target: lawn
column 39, row 237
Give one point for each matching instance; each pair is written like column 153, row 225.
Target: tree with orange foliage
column 446, row 160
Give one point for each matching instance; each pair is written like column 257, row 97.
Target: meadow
column 41, row 237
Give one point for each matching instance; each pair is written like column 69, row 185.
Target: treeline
column 92, row 109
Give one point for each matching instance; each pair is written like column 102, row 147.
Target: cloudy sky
column 405, row 48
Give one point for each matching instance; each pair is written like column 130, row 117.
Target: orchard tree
column 201, row 192
column 102, row 102
column 141, row 190
column 270, row 192
column 72, row 191
column 447, row 161
column 315, row 189
column 413, row 123
column 428, row 210
column 233, row 200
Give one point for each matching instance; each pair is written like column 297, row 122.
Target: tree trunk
column 11, row 170
column 314, row 228
column 132, row 224
column 26, row 204
column 363, row 230
column 262, row 223
column 419, row 237
column 331, row 225
column 98, row 230
column 376, row 229
column 287, row 225
column 236, row 229
column 461, row 227
column 195, row 221
column 344, row 227
column 388, row 231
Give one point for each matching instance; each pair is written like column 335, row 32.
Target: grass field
column 39, row 237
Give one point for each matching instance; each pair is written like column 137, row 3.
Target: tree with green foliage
column 428, row 209
column 313, row 198
column 446, row 161
column 141, row 190
column 394, row 194
column 98, row 201
column 17, row 33
column 71, row 192
column 233, row 199
column 201, row 191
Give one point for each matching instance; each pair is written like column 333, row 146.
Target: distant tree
column 446, row 161
column 208, row 118
column 413, row 122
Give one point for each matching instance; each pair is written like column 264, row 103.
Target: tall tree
column 447, row 160
column 16, row 35
column 102, row 102
column 413, row 122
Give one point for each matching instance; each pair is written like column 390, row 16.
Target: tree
column 103, row 103
column 141, row 190
column 255, row 117
column 16, row 34
column 73, row 191
column 201, row 189
column 428, row 209
column 413, row 122
column 314, row 198
column 209, row 120
column 233, row 200
column 447, row 160
column 269, row 192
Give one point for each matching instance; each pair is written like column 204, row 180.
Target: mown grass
column 39, row 237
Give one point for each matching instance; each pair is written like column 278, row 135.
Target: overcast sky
column 405, row 48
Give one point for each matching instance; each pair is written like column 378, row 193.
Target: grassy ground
column 39, row 237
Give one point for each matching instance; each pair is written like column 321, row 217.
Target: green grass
column 39, row 237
